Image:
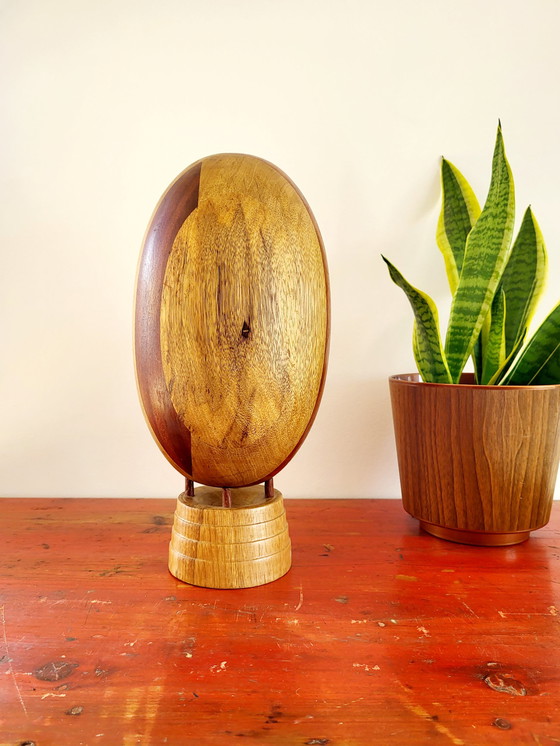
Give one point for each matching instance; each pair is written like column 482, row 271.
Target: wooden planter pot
column 477, row 464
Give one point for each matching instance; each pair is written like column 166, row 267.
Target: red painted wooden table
column 378, row 635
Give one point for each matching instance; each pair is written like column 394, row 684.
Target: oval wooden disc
column 232, row 321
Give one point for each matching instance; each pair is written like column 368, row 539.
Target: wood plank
column 379, row 634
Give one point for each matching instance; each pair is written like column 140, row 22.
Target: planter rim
column 413, row 379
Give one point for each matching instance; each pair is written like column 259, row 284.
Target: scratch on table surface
column 424, row 631
column 505, row 683
column 300, row 602
column 303, row 719
column 347, row 704
column 219, row 667
column 420, row 712
column 366, row 667
column 538, row 741
column 469, row 609
column 10, row 667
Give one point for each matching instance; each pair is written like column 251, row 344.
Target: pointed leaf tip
column 485, row 254
column 428, row 350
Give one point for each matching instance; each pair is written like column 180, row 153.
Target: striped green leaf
column 483, row 264
column 523, row 279
column 539, row 362
column 459, row 212
column 495, row 342
column 478, row 349
column 500, row 374
column 416, row 345
column 428, row 351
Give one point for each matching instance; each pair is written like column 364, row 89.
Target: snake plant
column 495, row 285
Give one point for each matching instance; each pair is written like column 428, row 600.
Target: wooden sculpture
column 231, row 342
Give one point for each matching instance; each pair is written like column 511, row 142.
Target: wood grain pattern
column 380, row 635
column 477, row 458
column 239, row 324
column 240, row 546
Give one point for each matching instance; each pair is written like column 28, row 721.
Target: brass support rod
column 226, row 497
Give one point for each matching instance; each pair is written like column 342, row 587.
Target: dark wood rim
column 477, row 538
column 413, row 379
column 174, row 207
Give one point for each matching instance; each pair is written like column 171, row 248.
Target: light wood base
column 238, row 547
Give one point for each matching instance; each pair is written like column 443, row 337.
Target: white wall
column 105, row 101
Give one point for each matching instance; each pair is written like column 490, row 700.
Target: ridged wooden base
column 238, row 547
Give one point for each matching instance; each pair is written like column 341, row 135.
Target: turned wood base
column 476, row 538
column 238, row 547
